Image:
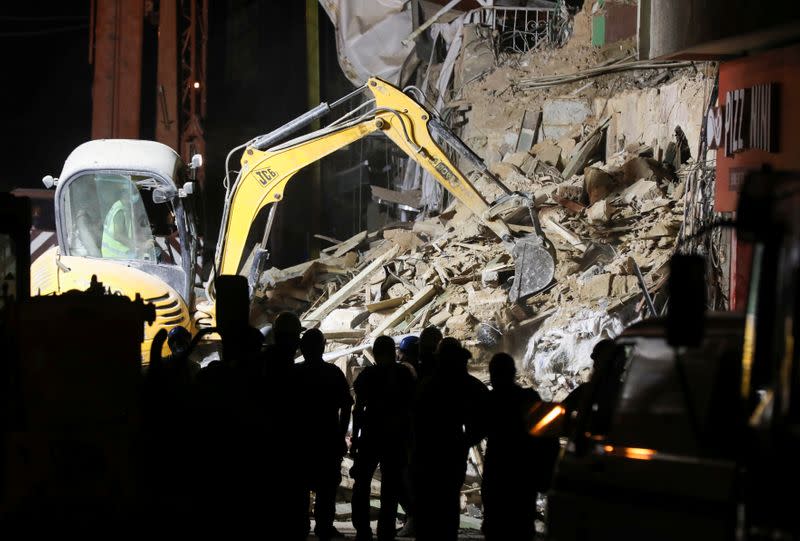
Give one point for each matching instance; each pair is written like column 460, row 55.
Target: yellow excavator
column 124, row 212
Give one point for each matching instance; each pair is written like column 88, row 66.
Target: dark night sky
column 46, row 87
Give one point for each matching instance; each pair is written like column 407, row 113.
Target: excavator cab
column 123, row 212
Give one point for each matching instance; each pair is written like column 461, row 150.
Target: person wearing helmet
column 178, row 340
column 409, row 354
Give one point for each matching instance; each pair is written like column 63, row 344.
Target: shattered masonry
column 608, row 175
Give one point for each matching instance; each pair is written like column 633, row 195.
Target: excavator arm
column 265, row 173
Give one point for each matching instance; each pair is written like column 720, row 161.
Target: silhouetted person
column 429, row 340
column 323, row 401
column 166, row 413
column 409, row 357
column 448, row 419
column 381, row 433
column 508, row 492
column 287, row 508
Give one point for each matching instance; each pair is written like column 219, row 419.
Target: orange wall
column 780, row 66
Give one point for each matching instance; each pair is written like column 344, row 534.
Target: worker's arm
column 264, row 174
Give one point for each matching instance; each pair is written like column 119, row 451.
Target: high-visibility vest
column 112, row 248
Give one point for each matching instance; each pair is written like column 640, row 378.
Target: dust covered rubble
column 450, row 271
column 604, row 209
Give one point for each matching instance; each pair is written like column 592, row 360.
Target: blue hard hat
column 178, row 339
column 409, row 344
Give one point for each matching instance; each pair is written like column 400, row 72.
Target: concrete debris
column 598, row 184
column 548, row 152
column 560, row 115
column 641, row 190
column 601, row 194
column 600, row 212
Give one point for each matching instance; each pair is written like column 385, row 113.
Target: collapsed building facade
column 606, row 145
column 609, row 148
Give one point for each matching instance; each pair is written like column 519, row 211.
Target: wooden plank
column 416, row 302
column 340, row 335
column 348, row 289
column 386, row 304
column 584, row 150
column 328, row 239
column 344, row 247
column 470, row 246
column 527, row 130
column 409, row 199
column 521, row 228
column 565, row 233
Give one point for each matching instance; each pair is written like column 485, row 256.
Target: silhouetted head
column 502, row 370
column 603, row 351
column 383, row 350
column 451, row 357
column 286, row 329
column 253, row 340
column 429, row 340
column 312, row 345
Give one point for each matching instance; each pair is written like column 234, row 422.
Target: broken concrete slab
column 646, row 168
column 339, row 319
column 559, row 115
column 487, row 298
column 597, row 287
column 408, row 200
column 600, row 212
column 624, row 285
column 567, row 145
column 547, row 152
column 641, row 190
column 405, row 239
column 516, row 158
column 587, row 148
column 657, row 231
column 597, row 183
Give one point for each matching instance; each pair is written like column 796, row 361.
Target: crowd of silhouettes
column 244, row 441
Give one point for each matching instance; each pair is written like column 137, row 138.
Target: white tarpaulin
column 564, row 344
column 369, row 35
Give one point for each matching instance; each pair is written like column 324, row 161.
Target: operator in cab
column 126, row 229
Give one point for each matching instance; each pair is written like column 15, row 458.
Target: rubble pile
column 452, row 272
column 605, row 159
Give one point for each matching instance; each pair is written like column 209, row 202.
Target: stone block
column 600, row 212
column 548, row 152
column 516, row 158
column 623, row 285
column 596, row 287
column 597, row 183
column 560, row 115
column 641, row 190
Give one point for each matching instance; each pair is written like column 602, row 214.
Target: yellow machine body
column 55, row 274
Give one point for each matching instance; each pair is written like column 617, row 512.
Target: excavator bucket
column 534, row 267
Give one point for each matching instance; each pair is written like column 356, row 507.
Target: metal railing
column 517, row 29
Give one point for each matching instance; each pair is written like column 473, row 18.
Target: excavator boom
column 265, row 173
